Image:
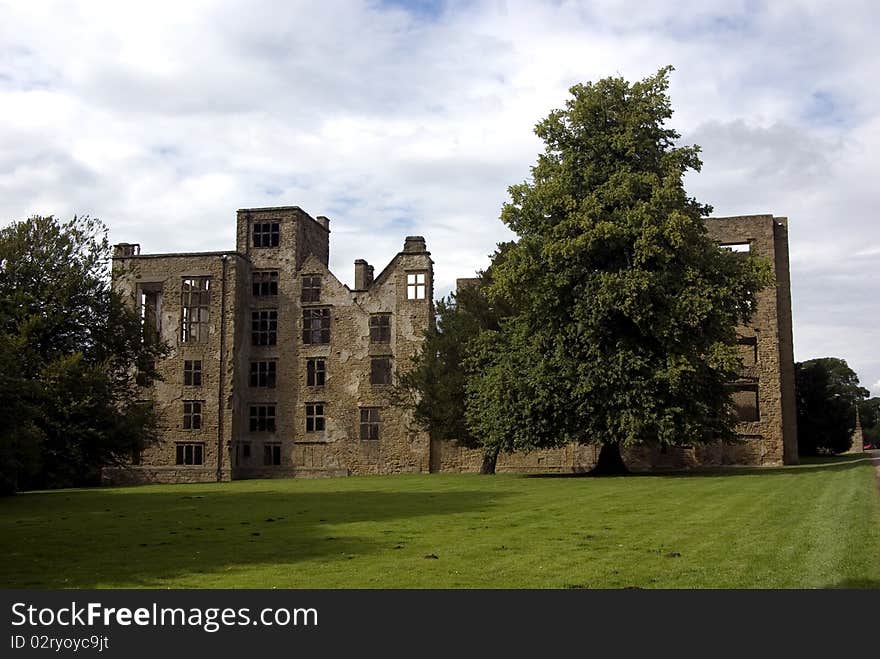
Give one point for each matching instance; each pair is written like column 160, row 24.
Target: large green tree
column 828, row 394
column 869, row 414
column 624, row 330
column 71, row 353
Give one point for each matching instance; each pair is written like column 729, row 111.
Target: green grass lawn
column 816, row 525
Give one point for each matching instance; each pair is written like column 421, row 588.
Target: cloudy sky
column 396, row 118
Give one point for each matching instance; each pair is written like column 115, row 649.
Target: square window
column 415, row 286
column 311, row 288
column 262, row 418
column 316, row 372
column 192, row 415
column 380, row 370
column 263, row 374
column 265, row 283
column 190, row 453
column 380, row 328
column 192, row 373
column 369, row 423
column 316, row 326
column 266, row 234
column 264, row 327
column 315, row 417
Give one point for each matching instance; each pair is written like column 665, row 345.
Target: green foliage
column 869, row 415
column 828, row 394
column 434, row 388
column 69, row 353
column 624, row 330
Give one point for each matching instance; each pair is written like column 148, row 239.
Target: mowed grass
column 816, row 525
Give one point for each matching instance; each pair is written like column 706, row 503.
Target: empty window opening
column 265, row 283
column 415, row 286
column 315, row 417
column 151, row 311
column 272, row 454
column 311, row 289
column 264, row 327
column 263, row 374
column 369, row 423
column 192, row 415
column 262, row 418
column 741, row 248
column 380, row 370
column 190, row 453
column 195, row 300
column 380, row 328
column 266, row 234
column 316, row 372
column 316, row 326
column 192, row 373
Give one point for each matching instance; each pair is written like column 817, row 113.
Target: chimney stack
column 415, row 244
column 363, row 275
column 324, row 221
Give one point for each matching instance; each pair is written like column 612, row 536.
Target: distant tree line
column 829, row 399
column 72, row 356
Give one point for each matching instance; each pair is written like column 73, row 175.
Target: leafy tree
column 434, row 389
column 828, row 394
column 70, row 352
column 869, row 416
column 624, row 330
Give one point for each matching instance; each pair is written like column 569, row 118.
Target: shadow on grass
column 99, row 537
column 811, row 464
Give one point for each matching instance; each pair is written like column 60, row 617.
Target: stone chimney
column 363, row 275
column 414, row 244
column 324, row 221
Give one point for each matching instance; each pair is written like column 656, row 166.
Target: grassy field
column 816, row 525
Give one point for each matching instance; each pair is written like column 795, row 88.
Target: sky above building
column 396, row 118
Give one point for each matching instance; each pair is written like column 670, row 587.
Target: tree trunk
column 490, row 459
column 610, row 462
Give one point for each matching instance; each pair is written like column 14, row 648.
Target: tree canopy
column 828, row 394
column 625, row 309
column 70, row 353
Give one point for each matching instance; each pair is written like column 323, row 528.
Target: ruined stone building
column 278, row 369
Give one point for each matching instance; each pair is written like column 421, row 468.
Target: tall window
column 415, row 286
column 316, row 372
column 311, row 288
column 190, row 453
column 265, row 283
column 314, row 417
column 272, row 454
column 380, row 328
column 242, row 453
column 745, row 402
column 369, row 423
column 195, row 299
column 192, row 414
column 192, row 373
column 266, row 234
column 264, row 327
column 263, row 374
column 380, row 370
column 262, row 418
column 316, row 326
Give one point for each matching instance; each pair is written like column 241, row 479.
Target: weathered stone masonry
column 294, row 381
column 294, row 366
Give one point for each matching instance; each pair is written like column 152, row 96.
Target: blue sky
column 396, row 117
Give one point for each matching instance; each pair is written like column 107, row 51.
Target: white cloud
column 163, row 119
